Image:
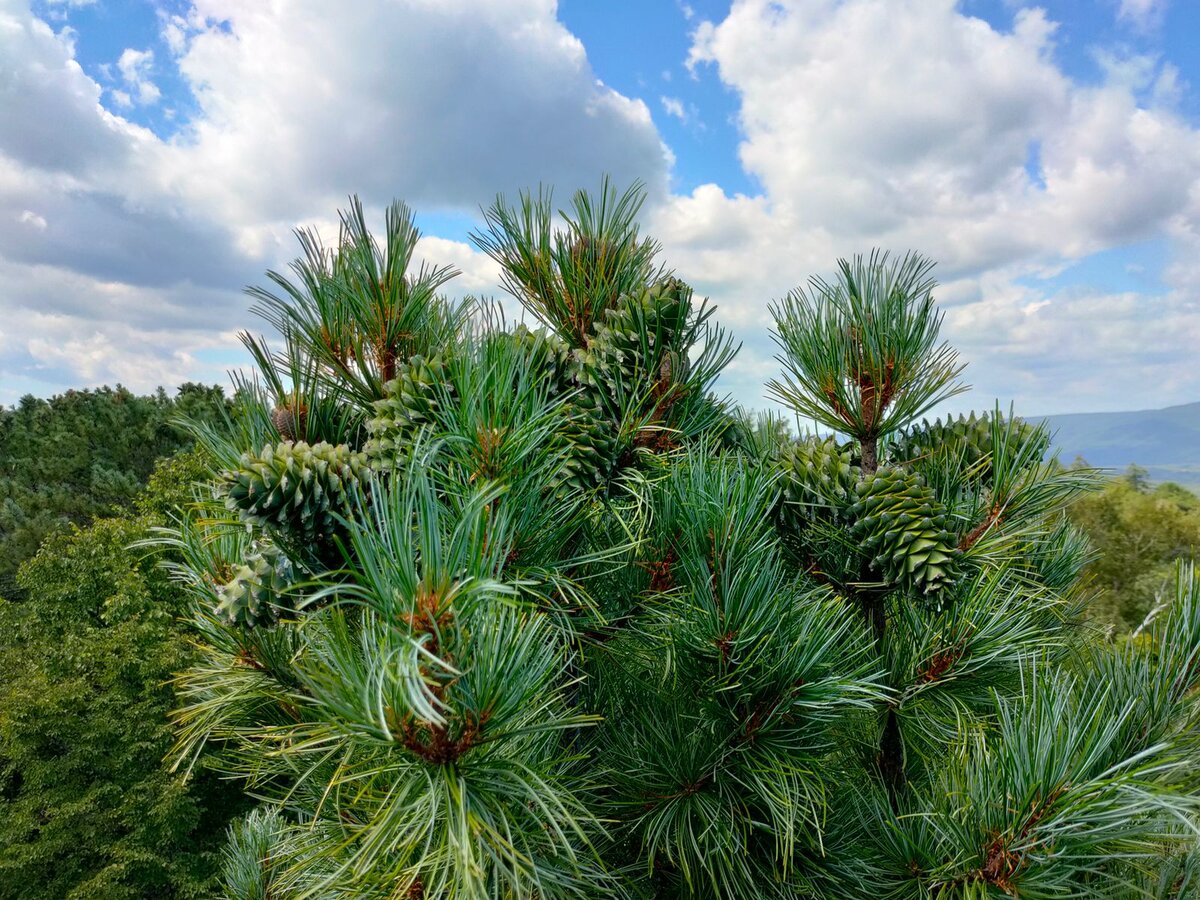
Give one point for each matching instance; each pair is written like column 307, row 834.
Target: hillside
column 1166, row 442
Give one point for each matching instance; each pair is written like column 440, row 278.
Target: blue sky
column 155, row 155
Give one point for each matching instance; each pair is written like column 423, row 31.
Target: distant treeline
column 80, row 455
column 1138, row 530
column 92, row 630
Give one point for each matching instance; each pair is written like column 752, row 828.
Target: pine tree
column 534, row 613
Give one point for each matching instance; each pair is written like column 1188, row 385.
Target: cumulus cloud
column 174, row 30
column 93, row 254
column 135, row 67
column 441, row 103
column 894, row 123
column 907, row 124
column 1142, row 14
column 687, row 113
column 39, row 73
column 29, row 217
column 122, row 254
column 876, row 119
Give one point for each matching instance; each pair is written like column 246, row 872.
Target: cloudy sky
column 155, row 155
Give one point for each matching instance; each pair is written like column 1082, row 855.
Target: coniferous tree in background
column 82, row 455
column 532, row 613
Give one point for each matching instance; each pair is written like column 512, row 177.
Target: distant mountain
column 1166, row 442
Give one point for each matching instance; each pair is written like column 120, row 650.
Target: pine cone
column 296, row 486
column 410, row 402
column 970, row 438
column 255, row 593
column 818, row 480
column 548, row 355
column 591, row 441
column 635, row 338
column 899, row 521
column 290, row 419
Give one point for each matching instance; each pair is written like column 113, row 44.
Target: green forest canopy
column 80, row 455
column 88, row 805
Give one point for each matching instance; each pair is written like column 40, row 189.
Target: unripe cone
column 410, row 401
column 970, row 436
column 591, row 441
column 818, row 471
column 255, row 592
column 587, row 432
column 900, row 523
column 632, row 345
column 548, row 355
column 295, row 486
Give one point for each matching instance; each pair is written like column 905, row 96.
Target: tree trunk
column 870, row 455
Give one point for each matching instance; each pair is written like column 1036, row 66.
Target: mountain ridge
column 1165, row 442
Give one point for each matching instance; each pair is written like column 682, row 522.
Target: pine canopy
column 534, row 613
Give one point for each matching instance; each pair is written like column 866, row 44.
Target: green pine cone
column 632, row 346
column 818, row 479
column 967, row 436
column 410, row 402
column 591, row 441
column 899, row 522
column 255, row 593
column 548, row 355
column 633, row 365
column 295, row 486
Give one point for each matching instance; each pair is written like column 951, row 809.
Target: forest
column 430, row 607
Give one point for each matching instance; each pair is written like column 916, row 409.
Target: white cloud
column 40, row 74
column 878, row 119
column 135, row 63
column 62, row 329
column 1168, row 87
column 687, row 113
column 1142, row 14
column 900, row 123
column 908, row 124
column 441, row 103
column 135, row 67
column 478, row 273
column 97, row 359
column 138, row 275
column 174, row 32
column 32, row 219
column 1134, row 72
